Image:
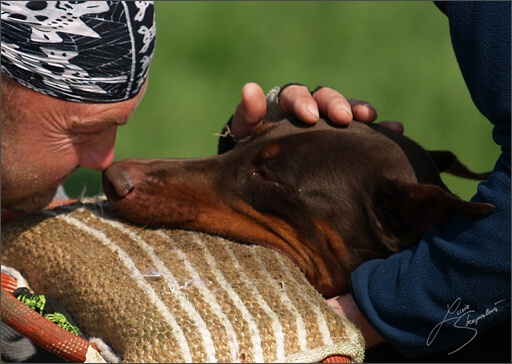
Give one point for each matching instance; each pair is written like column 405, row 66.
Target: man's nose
column 99, row 152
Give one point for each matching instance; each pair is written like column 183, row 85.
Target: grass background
column 396, row 55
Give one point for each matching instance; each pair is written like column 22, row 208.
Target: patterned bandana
column 84, row 51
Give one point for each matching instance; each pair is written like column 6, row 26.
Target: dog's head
column 328, row 197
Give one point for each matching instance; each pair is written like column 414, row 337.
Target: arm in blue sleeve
column 455, row 283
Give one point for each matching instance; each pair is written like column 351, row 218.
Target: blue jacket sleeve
column 455, row 284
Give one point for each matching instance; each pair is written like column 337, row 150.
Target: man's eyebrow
column 99, row 122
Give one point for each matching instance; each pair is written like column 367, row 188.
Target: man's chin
column 30, row 204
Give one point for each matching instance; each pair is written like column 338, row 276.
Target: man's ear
column 402, row 211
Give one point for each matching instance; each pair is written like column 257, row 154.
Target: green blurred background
column 396, row 55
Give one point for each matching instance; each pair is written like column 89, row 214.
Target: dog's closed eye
column 264, row 175
column 265, row 163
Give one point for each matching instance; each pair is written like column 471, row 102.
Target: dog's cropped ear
column 405, row 211
column 448, row 162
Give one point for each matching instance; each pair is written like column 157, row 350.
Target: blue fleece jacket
column 455, row 284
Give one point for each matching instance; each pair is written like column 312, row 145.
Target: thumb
column 250, row 112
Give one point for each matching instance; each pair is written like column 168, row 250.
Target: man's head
column 71, row 73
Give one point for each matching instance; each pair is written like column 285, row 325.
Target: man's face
column 45, row 139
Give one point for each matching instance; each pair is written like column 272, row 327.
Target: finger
column 363, row 111
column 250, row 112
column 298, row 100
column 396, row 126
column 334, row 105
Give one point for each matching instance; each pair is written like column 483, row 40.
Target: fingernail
column 342, row 107
column 365, row 104
column 313, row 111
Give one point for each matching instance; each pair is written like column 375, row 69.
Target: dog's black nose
column 116, row 180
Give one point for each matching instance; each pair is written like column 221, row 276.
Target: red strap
column 37, row 328
column 58, row 203
column 337, row 359
column 9, row 283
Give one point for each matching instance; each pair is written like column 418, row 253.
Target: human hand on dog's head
column 307, row 106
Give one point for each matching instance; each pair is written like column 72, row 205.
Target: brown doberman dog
column 329, row 198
